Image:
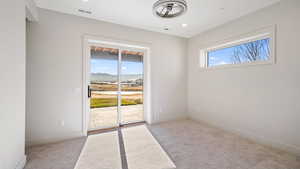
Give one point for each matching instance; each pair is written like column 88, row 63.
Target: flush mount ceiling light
column 169, row 8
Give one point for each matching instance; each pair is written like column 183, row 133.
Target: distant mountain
column 105, row 77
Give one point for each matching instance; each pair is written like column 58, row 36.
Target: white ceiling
column 201, row 15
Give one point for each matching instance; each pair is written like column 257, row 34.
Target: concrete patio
column 107, row 117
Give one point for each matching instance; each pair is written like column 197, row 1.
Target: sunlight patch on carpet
column 143, row 151
column 100, row 152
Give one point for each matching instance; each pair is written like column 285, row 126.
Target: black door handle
column 89, row 91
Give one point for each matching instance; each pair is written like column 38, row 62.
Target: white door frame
column 88, row 41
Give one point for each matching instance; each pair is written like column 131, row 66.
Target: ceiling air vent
column 169, row 8
column 84, row 11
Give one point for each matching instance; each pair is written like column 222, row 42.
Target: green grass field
column 111, row 102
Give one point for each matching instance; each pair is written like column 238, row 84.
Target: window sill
column 242, row 65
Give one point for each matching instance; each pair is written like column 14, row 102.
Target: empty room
column 150, row 84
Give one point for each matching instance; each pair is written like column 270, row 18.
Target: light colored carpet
column 191, row 145
column 194, row 145
column 62, row 155
column 101, row 151
column 143, row 151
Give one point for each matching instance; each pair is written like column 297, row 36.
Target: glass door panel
column 104, row 88
column 131, row 79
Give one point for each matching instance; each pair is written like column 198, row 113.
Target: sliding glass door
column 104, row 66
column 132, row 78
column 116, row 87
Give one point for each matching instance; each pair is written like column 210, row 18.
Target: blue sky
column 225, row 56
column 111, row 67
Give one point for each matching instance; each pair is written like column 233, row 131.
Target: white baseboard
column 255, row 137
column 21, row 164
column 58, row 137
column 161, row 120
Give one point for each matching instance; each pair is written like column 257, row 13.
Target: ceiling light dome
column 169, row 8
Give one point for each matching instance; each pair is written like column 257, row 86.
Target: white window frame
column 261, row 34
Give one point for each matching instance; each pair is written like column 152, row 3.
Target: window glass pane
column 104, row 87
column 132, row 78
column 245, row 53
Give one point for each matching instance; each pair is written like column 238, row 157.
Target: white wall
column 261, row 102
column 12, row 84
column 55, row 73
